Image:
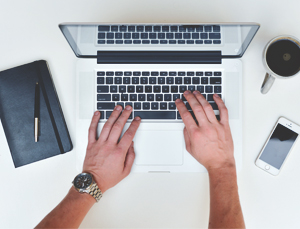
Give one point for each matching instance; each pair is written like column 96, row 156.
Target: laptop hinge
column 159, row 57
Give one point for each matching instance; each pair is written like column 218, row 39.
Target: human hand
column 108, row 159
column 209, row 141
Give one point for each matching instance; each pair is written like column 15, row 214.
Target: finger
column 187, row 140
column 129, row 160
column 118, row 126
column 196, row 107
column 222, row 108
column 93, row 128
column 109, row 123
column 130, row 132
column 210, row 114
column 186, row 116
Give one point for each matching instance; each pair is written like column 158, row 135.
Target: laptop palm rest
column 158, row 147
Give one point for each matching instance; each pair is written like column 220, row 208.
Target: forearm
column 225, row 208
column 70, row 211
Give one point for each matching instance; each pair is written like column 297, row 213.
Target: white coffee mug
column 281, row 58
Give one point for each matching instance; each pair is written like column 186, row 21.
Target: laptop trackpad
column 158, row 147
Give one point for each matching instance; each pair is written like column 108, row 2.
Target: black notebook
column 17, row 98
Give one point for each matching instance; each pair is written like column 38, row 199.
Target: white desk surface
column 29, row 31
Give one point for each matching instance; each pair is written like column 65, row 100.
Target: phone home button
column 267, row 167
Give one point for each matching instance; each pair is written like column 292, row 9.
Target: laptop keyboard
column 152, row 94
column 159, row 34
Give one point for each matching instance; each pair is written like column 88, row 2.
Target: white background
column 29, row 31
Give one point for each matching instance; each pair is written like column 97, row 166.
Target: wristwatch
column 84, row 183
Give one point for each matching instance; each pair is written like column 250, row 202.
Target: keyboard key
column 100, row 73
column 109, row 73
column 124, row 97
column 174, row 89
column 178, row 35
column 172, row 41
column 182, row 88
column 161, row 80
column 101, row 114
column 165, row 28
column 174, row 28
column 156, row 89
column 152, row 35
column 203, row 35
column 216, row 28
column 215, row 80
column 140, row 28
column 207, row 28
column 186, row 36
column 165, row 89
column 199, row 41
column 118, row 35
column 214, row 35
column 172, row 73
column 159, row 97
column 122, row 89
column 121, row 104
column 172, row 106
column 191, row 29
column 182, row 29
column 181, row 73
column 188, row 106
column 105, row 106
column 128, row 104
column 115, row 97
column 118, row 80
column 123, row 28
column 217, row 89
column 135, row 80
column 217, row 42
column 189, row 42
column 217, row 73
column 152, row 80
column 170, row 36
column 195, row 35
column 208, row 73
column 136, row 41
column 126, row 80
column 150, row 97
column 113, row 89
column 178, row 80
column 135, row 36
column 208, row 89
column 191, row 88
column 196, row 80
column 161, row 35
column 167, row 97
column 154, row 106
column 181, row 42
column 110, row 36
column 163, row 42
column 148, row 28
column 100, row 80
column 156, row 28
column 145, row 42
column 204, row 80
column 103, row 97
column 130, row 89
column 214, row 106
column 146, row 106
column 139, row 89
column 127, row 36
column 142, row 97
column 200, row 89
column 176, row 96
column 208, row 42
column 136, row 73
column 170, row 80
column 155, row 114
column 101, row 35
column 108, row 113
column 190, row 73
column 118, row 73
column 137, row 106
column 114, row 28
column 128, row 41
column 163, row 106
column 154, row 73
column 199, row 28
column 104, row 28
column 210, row 97
column 131, row 28
column 199, row 73
column 187, row 80
column 133, row 97
column 102, row 89
column 154, row 41
column 145, row 73
column 148, row 89
column 119, row 42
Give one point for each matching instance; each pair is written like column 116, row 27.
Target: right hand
column 209, row 141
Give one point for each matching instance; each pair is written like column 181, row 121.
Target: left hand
column 108, row 159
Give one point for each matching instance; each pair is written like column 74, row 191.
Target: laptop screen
column 231, row 39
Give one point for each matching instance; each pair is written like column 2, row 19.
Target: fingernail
column 187, row 92
column 137, row 118
column 217, row 96
column 177, row 100
column 97, row 113
column 196, row 92
column 128, row 108
column 118, row 108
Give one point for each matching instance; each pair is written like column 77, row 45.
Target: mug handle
column 267, row 84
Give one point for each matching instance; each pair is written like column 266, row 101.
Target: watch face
column 83, row 181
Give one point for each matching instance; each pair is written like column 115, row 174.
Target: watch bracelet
column 95, row 192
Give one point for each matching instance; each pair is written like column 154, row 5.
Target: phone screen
column 278, row 146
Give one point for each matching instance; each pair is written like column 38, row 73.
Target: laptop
column 149, row 66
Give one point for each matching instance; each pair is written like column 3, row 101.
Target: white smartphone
column 278, row 146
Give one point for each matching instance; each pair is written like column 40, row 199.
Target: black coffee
column 283, row 57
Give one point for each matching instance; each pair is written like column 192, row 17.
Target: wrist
column 226, row 169
column 86, row 198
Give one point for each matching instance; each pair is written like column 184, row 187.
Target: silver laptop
column 149, row 66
